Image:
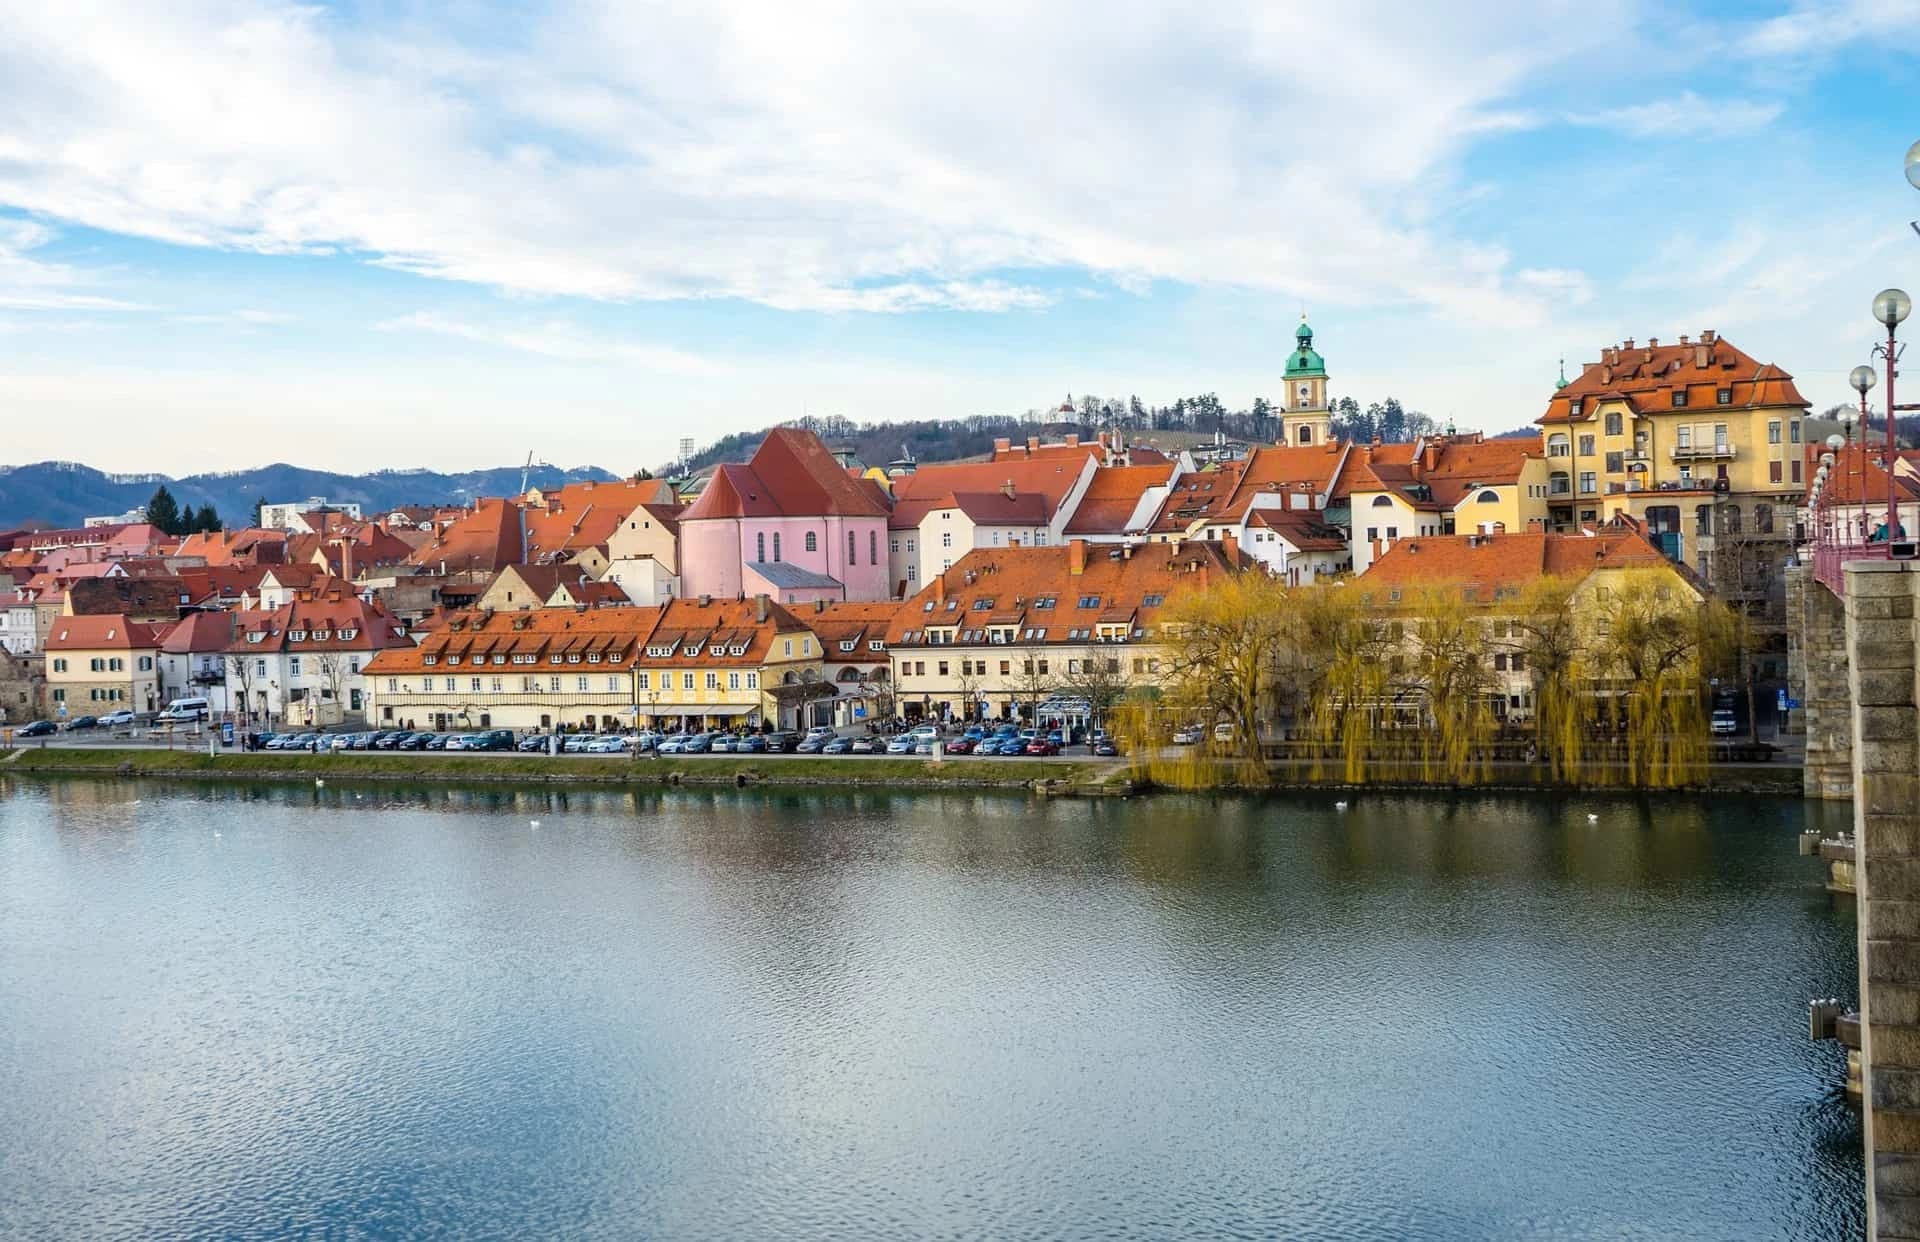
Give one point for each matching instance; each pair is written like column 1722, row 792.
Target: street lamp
column 1891, row 307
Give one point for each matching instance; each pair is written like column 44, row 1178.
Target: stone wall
column 23, row 688
column 1883, row 654
column 1817, row 676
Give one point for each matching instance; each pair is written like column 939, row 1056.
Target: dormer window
column 430, row 659
column 573, row 657
column 876, row 645
column 1574, row 406
column 739, row 649
column 255, row 637
column 348, row 635
column 1723, row 396
column 1679, row 398
column 320, row 636
column 593, row 657
column 848, row 644
column 298, row 636
column 453, row 659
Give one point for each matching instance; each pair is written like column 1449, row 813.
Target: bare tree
column 241, row 672
column 333, row 670
column 1032, row 679
column 1098, row 676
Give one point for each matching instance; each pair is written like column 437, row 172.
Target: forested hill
column 953, row 439
column 51, row 493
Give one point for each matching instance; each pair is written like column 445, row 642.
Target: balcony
column 1719, row 450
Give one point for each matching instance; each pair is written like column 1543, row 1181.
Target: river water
column 250, row 1013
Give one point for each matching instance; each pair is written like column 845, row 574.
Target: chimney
column 1073, row 439
column 1076, row 556
column 819, row 606
column 940, row 588
column 1033, row 443
column 759, row 608
column 1627, row 345
column 706, row 601
column 1683, row 339
column 1709, row 336
column 1701, row 353
column 1006, row 489
column 1653, row 342
column 1001, row 444
column 1230, row 544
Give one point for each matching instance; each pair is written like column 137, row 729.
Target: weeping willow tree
column 1448, row 662
column 1223, row 645
column 1546, row 628
column 1650, row 644
column 1353, row 694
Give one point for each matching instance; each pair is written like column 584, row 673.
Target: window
column 59, row 666
column 1763, row 519
column 1719, row 437
column 1773, row 432
column 1683, row 437
column 852, row 551
column 1679, row 398
column 496, row 684
column 293, row 667
column 1586, row 446
column 146, row 664
column 553, row 685
column 1614, row 423
column 1796, row 466
column 1616, row 462
column 943, row 668
column 893, row 545
column 1393, row 532
column 1723, row 396
column 946, row 539
column 1575, row 406
column 787, row 648
column 1556, row 446
column 1006, row 668
column 1500, row 661
column 1588, row 483
column 873, row 547
column 760, row 547
column 259, row 668
column 1793, row 430
column 393, row 685
column 713, row 681
column 1373, row 534
column 776, row 546
column 1382, row 502
column 450, row 685
column 686, row 681
column 646, row 681
column 813, row 542
column 733, row 681
column 753, row 681
column 1773, row 472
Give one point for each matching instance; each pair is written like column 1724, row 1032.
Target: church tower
column 1304, row 418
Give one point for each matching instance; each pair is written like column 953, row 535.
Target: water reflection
column 690, row 1013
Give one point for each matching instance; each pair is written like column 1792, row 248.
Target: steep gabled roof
column 791, row 474
column 1647, row 376
column 1112, row 495
column 103, row 633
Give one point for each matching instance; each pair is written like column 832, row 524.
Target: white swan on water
column 1592, row 818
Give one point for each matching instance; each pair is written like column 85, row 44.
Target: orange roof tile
column 1493, row 562
column 1647, row 376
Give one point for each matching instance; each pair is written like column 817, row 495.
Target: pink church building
column 790, row 524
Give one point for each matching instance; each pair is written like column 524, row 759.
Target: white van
column 194, row 708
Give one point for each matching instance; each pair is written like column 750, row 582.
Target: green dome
column 1303, row 363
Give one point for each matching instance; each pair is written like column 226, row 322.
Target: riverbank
column 1051, row 776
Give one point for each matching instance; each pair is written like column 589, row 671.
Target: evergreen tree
column 208, row 519
column 258, row 505
column 163, row 511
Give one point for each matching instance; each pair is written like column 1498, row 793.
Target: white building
column 19, row 633
column 287, row 516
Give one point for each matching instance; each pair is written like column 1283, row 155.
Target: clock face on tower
column 1303, row 393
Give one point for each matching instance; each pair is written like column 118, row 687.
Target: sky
column 389, row 234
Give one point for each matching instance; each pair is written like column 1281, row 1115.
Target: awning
column 710, row 709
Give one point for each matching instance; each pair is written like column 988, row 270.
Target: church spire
column 1563, row 376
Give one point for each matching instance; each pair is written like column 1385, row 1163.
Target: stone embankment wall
column 1882, row 656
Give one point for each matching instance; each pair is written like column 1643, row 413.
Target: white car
column 607, row 746
column 1189, row 736
column 675, row 745
column 121, row 717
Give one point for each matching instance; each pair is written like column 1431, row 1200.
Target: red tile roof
column 1647, row 376
column 1507, row 561
column 792, row 474
column 938, row 486
column 103, row 633
column 484, row 538
column 1112, row 495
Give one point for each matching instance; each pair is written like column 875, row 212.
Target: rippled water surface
column 340, row 1012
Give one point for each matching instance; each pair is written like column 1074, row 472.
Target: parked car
column 82, row 722
column 1043, row 746
column 1724, row 722
column 820, row 731
column 415, row 741
column 974, row 733
column 612, row 745
column 700, row 744
column 866, row 746
column 986, row 747
column 675, row 745
column 813, row 744
column 532, row 743
column 903, row 744
column 783, row 742
column 924, row 732
column 960, row 746
column 752, row 744
column 39, row 728
column 115, row 720
column 1105, row 748
column 1189, row 735
column 837, row 746
column 1223, row 732
column 575, row 743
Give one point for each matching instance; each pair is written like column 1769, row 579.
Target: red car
column 1041, row 746
column 958, row 746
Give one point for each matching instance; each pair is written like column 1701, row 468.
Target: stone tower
column 1305, row 418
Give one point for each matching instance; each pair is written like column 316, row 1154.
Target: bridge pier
column 1882, row 658
column 1817, row 666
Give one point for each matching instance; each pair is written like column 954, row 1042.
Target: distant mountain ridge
column 63, row 493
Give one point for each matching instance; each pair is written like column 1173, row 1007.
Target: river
column 262, row 1012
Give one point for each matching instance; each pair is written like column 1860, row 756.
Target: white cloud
column 31, row 284
column 556, row 339
column 1819, row 27
column 863, row 156
column 1684, row 115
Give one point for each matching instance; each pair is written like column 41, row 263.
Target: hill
column 63, row 493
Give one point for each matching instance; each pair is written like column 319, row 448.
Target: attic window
column 929, row 607
column 1089, row 601
column 1152, row 601
column 593, row 657
column 348, row 635
column 498, row 658
column 320, row 636
column 614, row 657
column 738, row 649
column 1723, row 396
column 1043, row 602
column 1679, row 398
column 431, row 659
column 849, row 644
column 1574, row 407
column 876, row 645
column 453, row 659
column 297, row 635
column 983, row 605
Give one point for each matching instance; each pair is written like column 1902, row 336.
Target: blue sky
column 396, row 234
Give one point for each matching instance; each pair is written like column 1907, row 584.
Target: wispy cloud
column 556, row 339
column 1820, row 27
column 1685, row 115
column 31, row 284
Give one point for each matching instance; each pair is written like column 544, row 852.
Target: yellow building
column 722, row 664
column 101, row 664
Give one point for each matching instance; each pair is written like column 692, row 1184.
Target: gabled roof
column 939, row 486
column 1306, row 531
column 200, row 632
column 1225, row 493
column 787, row 576
column 1647, row 376
column 791, row 474
column 484, row 538
column 1112, row 495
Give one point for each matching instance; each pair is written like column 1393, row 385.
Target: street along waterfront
column 238, row 1012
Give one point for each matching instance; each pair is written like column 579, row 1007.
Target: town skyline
column 551, row 233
